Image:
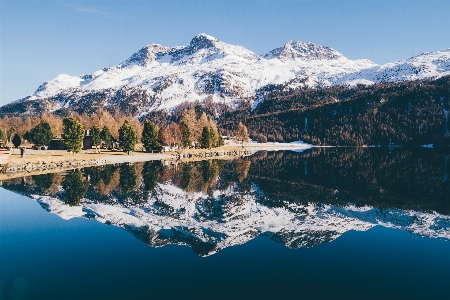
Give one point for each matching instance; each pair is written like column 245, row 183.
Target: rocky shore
column 48, row 163
column 27, row 166
column 213, row 153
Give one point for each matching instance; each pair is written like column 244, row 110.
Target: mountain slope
column 162, row 77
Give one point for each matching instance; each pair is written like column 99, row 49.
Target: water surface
column 324, row 223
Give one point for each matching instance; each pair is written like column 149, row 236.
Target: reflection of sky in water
column 85, row 259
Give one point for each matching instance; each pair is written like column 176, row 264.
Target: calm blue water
column 43, row 256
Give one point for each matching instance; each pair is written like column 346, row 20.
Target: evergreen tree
column 185, row 135
column 95, row 133
column 220, row 141
column 73, row 134
column 2, row 138
column 73, row 187
column 212, row 137
column 127, row 137
column 10, row 133
column 150, row 136
column 105, row 135
column 241, row 134
column 27, row 136
column 41, row 134
column 206, row 138
column 16, row 140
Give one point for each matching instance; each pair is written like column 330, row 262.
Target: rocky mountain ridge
column 158, row 77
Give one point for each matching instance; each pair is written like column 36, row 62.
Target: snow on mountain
column 164, row 77
column 209, row 224
column 426, row 65
column 303, row 51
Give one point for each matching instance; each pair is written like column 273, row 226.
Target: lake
column 319, row 224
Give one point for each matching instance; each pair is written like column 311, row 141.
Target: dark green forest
column 407, row 113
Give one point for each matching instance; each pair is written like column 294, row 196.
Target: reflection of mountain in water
column 212, row 205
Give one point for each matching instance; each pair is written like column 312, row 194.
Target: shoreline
column 48, row 161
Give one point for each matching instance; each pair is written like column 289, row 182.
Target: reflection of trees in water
column 186, row 176
column 107, row 174
column 44, row 181
column 74, row 189
column 241, row 167
column 150, row 174
column 95, row 175
column 400, row 178
column 128, row 178
column 197, row 176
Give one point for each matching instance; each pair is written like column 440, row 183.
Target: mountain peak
column 203, row 40
column 304, row 51
column 146, row 55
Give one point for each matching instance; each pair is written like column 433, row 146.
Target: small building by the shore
column 88, row 141
column 57, row 143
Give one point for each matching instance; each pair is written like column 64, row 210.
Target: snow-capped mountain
column 158, row 77
column 208, row 224
column 304, row 51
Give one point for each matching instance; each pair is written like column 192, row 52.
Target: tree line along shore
column 114, row 132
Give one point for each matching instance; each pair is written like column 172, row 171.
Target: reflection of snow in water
column 173, row 216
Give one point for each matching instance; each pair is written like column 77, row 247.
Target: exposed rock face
column 304, row 51
column 158, row 77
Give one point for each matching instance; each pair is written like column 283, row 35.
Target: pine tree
column 105, row 135
column 27, row 136
column 41, row 134
column 206, row 138
column 2, row 138
column 127, row 137
column 95, row 133
column 220, row 141
column 212, row 137
column 73, row 134
column 150, row 136
column 10, row 133
column 185, row 135
column 16, row 140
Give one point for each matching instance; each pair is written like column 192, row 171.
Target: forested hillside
column 389, row 113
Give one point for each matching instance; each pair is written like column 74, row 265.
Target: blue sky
column 41, row 39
